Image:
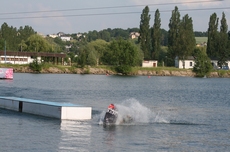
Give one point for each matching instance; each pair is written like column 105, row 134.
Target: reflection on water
column 110, row 138
column 75, row 135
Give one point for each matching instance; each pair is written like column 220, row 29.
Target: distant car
column 225, row 68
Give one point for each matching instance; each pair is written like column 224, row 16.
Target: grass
column 222, row 73
column 12, row 65
column 159, row 69
column 201, row 39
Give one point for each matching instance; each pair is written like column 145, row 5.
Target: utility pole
column 5, row 51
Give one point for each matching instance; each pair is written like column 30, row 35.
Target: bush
column 203, row 64
column 124, row 69
column 35, row 66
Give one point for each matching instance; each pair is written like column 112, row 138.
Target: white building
column 188, row 63
column 10, row 57
column 149, row 63
column 65, row 38
column 18, row 59
column 78, row 34
column 134, row 35
column 60, row 34
column 215, row 63
column 53, row 35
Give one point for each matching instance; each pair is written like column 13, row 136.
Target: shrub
column 124, row 69
column 35, row 66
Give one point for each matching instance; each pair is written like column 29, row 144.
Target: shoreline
column 102, row 71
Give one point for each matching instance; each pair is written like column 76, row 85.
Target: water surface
column 171, row 113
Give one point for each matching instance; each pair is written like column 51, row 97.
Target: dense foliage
column 92, row 53
column 186, row 38
column 212, row 36
column 173, row 36
column 218, row 45
column 203, row 64
column 110, row 34
column 14, row 38
column 122, row 52
column 223, row 49
column 181, row 39
column 36, row 43
column 156, row 36
column 36, row 66
column 144, row 38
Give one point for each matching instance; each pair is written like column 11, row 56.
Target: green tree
column 202, row 65
column 82, row 58
column 98, row 47
column 123, row 54
column 2, row 44
column 35, row 66
column 144, row 38
column 22, row 46
column 25, row 33
column 223, row 52
column 61, row 44
column 104, row 35
column 55, row 47
column 164, row 37
column 92, row 58
column 119, row 33
column 228, row 44
column 186, row 38
column 173, row 37
column 92, row 35
column 14, row 37
column 36, row 43
column 201, row 34
column 71, row 56
column 212, row 36
column 156, row 36
column 10, row 36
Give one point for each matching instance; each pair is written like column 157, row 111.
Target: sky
column 79, row 16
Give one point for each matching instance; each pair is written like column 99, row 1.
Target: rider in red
column 111, row 106
column 110, row 116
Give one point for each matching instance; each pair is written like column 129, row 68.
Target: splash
column 132, row 108
column 132, row 112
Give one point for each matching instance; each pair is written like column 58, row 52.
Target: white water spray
column 132, row 108
column 139, row 113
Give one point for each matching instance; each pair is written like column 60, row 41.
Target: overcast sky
column 72, row 17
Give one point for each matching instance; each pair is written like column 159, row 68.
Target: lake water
column 170, row 114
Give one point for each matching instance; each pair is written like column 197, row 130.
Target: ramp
column 66, row 111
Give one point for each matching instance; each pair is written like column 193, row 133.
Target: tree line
column 16, row 39
column 25, row 39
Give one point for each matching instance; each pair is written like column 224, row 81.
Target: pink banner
column 6, row 73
